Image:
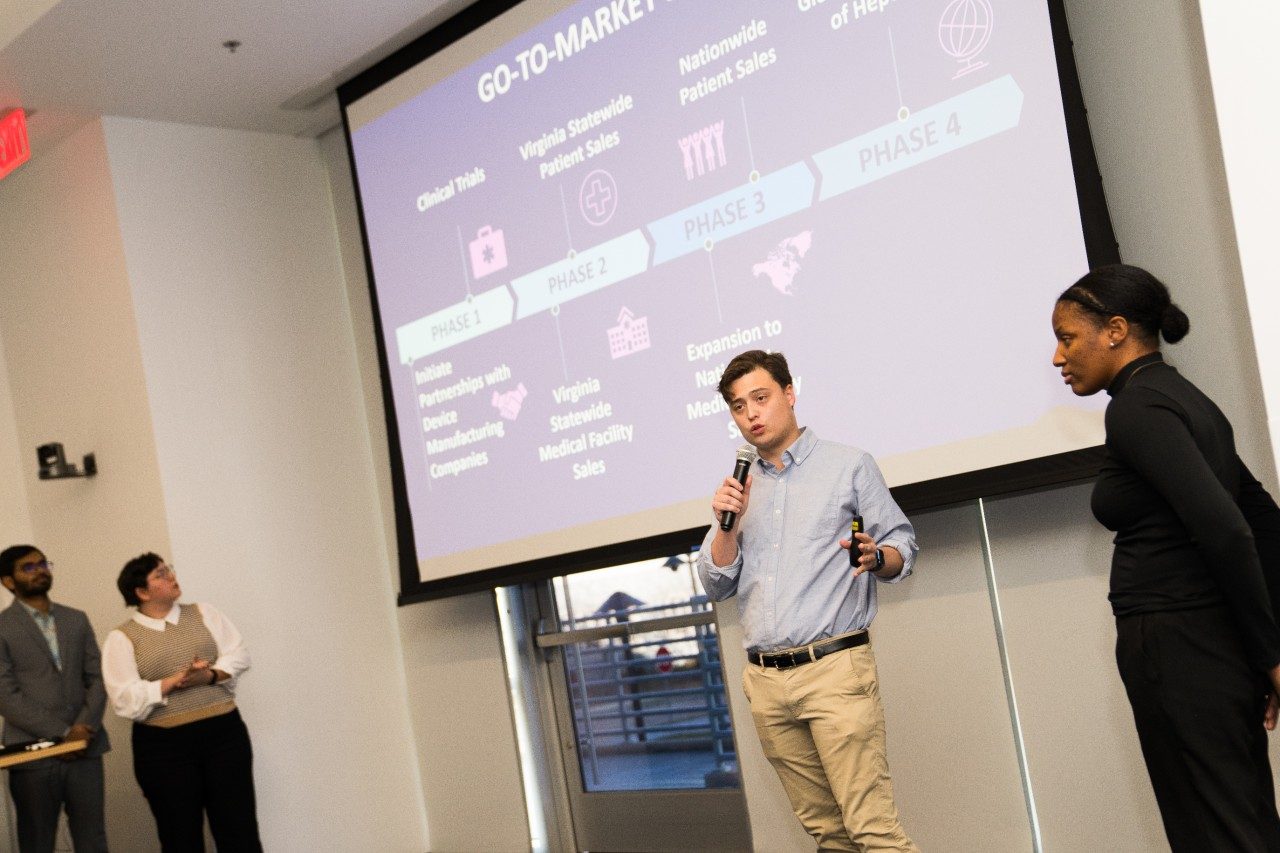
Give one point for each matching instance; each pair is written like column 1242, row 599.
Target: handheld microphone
column 746, row 456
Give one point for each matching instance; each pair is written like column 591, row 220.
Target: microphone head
column 748, row 454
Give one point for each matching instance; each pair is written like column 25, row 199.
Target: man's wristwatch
column 879, row 560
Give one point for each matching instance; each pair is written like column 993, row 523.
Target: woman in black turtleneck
column 1196, row 569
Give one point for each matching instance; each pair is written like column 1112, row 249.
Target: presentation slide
column 579, row 213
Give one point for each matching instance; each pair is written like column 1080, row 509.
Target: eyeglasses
column 32, row 568
column 162, row 572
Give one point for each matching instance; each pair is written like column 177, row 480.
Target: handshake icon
column 508, row 403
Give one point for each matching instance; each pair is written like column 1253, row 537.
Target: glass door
column 642, row 713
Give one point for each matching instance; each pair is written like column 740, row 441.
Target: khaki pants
column 822, row 728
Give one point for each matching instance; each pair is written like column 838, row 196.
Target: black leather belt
column 810, row 653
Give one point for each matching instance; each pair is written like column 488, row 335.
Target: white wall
column 1143, row 70
column 1240, row 44
column 15, row 519
column 15, row 523
column 74, row 373
column 255, row 401
column 464, row 728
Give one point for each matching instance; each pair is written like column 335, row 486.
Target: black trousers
column 40, row 792
column 1198, row 707
column 201, row 767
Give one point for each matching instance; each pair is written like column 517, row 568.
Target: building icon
column 630, row 335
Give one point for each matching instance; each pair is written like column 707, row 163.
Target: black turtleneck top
column 1193, row 527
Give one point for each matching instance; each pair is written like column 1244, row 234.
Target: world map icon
column 963, row 31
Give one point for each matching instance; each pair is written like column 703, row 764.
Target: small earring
column 1113, row 344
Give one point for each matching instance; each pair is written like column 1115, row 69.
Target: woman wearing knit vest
column 172, row 669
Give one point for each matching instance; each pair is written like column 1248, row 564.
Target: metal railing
column 646, row 680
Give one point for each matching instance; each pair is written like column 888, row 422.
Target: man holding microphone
column 806, row 597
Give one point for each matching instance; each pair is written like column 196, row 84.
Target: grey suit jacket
column 36, row 699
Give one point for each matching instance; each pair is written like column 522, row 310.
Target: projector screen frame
column 1020, row 477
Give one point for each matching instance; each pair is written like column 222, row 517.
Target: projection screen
column 576, row 213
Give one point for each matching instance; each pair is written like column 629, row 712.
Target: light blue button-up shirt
column 793, row 580
column 45, row 622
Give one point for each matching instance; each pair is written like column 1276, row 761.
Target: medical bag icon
column 488, row 252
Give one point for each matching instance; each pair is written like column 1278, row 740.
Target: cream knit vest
column 162, row 653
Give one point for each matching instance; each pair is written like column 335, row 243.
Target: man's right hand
column 77, row 732
column 732, row 496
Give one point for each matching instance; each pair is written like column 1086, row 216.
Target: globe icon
column 963, row 31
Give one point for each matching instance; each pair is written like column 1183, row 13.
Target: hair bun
column 1174, row 324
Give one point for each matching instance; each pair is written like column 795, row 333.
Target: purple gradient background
column 919, row 317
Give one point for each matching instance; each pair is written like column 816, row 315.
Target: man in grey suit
column 51, row 687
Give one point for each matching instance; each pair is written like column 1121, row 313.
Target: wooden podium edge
column 46, row 752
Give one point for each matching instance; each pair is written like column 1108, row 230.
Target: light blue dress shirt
column 48, row 627
column 793, row 580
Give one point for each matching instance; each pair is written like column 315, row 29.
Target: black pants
column 41, row 790
column 1198, row 707
column 186, row 771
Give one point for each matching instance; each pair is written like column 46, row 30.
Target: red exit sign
column 14, row 148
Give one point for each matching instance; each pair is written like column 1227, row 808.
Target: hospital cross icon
column 598, row 198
